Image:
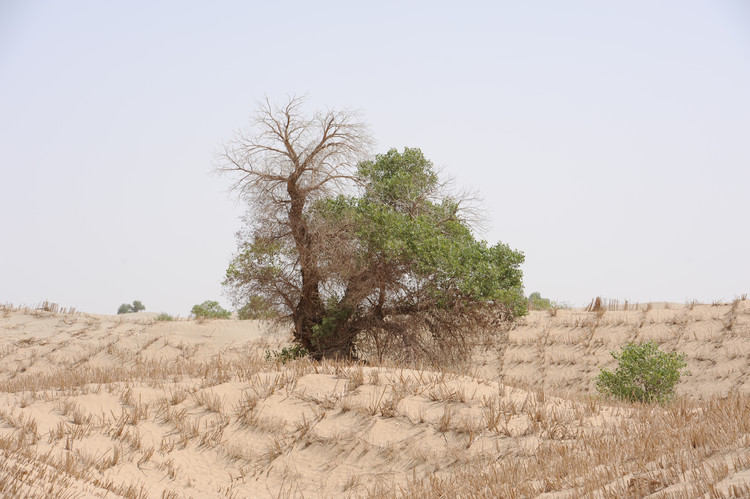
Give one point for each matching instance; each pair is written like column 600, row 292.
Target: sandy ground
column 124, row 406
column 566, row 352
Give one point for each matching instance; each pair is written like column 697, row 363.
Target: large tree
column 359, row 251
column 282, row 164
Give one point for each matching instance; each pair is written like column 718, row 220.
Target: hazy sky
column 610, row 141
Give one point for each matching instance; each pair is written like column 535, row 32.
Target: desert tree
column 281, row 164
column 358, row 250
column 127, row 308
column 406, row 273
column 210, row 309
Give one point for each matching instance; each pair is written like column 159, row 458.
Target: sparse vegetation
column 286, row 354
column 127, row 308
column 409, row 432
column 164, row 317
column 210, row 310
column 644, row 374
column 536, row 302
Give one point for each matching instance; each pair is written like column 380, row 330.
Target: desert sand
column 125, row 406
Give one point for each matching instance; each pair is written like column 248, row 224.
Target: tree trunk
column 309, row 309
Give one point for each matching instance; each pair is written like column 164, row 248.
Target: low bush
column 536, row 302
column 164, row 317
column 644, row 374
column 286, row 354
column 210, row 310
column 127, row 308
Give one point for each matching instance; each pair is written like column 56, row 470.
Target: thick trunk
column 309, row 309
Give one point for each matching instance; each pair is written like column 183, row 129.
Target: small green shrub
column 164, row 317
column 257, row 307
column 210, row 310
column 127, row 308
column 644, row 374
column 287, row 354
column 536, row 302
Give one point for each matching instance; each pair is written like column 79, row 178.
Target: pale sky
column 609, row 141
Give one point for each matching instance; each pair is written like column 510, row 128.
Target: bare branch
column 281, row 163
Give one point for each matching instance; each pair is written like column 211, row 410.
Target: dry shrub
column 692, row 444
column 443, row 339
column 597, row 305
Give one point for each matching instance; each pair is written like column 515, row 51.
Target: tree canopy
column 210, row 309
column 127, row 308
column 360, row 252
column 537, row 302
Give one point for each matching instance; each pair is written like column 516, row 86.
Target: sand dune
column 94, row 406
column 565, row 352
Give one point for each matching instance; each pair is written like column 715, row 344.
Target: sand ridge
column 101, row 405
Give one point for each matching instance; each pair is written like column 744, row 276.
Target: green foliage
column 210, row 310
column 536, row 302
column 644, row 374
column 398, row 258
column 398, row 221
column 127, row 308
column 260, row 261
column 164, row 317
column 399, row 180
column 336, row 313
column 257, row 307
column 286, row 354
